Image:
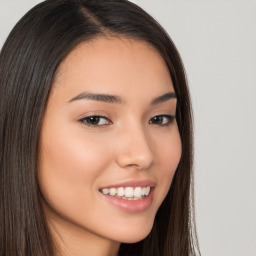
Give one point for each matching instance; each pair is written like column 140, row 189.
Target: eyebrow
column 116, row 99
column 163, row 98
column 98, row 97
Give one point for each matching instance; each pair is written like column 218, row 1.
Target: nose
column 134, row 149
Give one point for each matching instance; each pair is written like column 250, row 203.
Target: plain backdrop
column 217, row 41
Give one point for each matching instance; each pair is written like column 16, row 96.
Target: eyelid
column 96, row 120
column 170, row 118
column 85, row 121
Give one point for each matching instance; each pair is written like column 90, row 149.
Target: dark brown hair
column 29, row 61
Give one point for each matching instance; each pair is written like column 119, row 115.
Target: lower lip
column 132, row 206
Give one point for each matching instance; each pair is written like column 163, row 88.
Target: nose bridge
column 134, row 147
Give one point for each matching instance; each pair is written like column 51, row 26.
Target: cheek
column 169, row 150
column 69, row 164
column 71, row 152
column 171, row 154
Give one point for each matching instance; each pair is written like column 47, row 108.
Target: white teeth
column 143, row 192
column 120, row 191
column 127, row 193
column 147, row 190
column 137, row 192
column 112, row 191
column 105, row 191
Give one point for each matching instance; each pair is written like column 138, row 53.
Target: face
column 109, row 144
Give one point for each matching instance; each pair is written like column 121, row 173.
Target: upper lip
column 133, row 183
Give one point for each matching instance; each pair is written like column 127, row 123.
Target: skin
column 76, row 160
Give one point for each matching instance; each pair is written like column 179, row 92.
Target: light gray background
column 217, row 41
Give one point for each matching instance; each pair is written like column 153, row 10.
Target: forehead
column 116, row 65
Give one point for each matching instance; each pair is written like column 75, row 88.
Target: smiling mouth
column 127, row 193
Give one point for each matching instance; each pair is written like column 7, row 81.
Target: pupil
column 158, row 119
column 94, row 120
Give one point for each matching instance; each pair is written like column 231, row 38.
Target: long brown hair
column 29, row 61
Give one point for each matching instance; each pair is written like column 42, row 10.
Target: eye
column 162, row 120
column 94, row 121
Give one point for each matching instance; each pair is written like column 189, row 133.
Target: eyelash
column 168, row 120
column 87, row 121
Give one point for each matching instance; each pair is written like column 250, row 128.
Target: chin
column 134, row 235
column 134, row 240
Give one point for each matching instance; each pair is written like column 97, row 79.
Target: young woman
column 95, row 135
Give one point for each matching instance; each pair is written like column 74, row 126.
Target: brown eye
column 162, row 120
column 95, row 121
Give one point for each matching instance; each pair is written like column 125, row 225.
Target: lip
column 131, row 206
